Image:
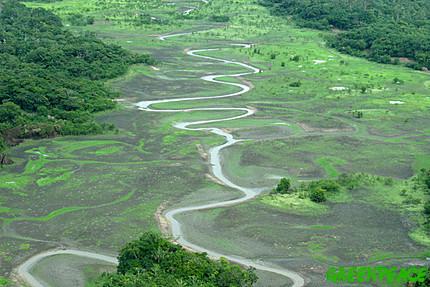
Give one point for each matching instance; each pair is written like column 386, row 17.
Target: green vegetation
column 52, row 80
column 295, row 203
column 316, row 190
column 154, row 261
column 413, row 196
column 147, row 14
column 423, row 180
column 380, row 30
column 283, row 186
column 319, row 114
column 80, row 20
column 317, row 195
column 4, row 282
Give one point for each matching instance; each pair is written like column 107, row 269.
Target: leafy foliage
column 295, row 84
column 316, row 191
column 51, row 80
column 380, row 30
column 283, row 186
column 154, row 261
column 423, row 180
column 317, row 195
column 220, row 18
column 80, row 20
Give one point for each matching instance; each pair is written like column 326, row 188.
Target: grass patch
column 421, row 236
column 108, row 150
column 328, row 164
column 41, row 182
column 317, row 249
column 292, row 203
column 65, row 210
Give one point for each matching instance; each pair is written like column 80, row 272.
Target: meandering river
column 24, row 270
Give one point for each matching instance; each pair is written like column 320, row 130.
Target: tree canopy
column 156, row 262
column 51, row 80
column 380, row 30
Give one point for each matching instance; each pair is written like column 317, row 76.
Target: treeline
column 51, row 81
column 156, row 262
column 385, row 31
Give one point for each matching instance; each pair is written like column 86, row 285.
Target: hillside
column 51, row 81
column 384, row 31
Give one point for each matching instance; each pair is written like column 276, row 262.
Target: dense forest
column 154, row 261
column 51, row 81
column 386, row 31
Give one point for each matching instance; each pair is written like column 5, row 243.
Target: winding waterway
column 215, row 161
column 24, row 270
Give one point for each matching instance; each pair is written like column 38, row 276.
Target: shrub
column 295, row 84
column 283, row 186
column 329, row 185
column 317, row 195
column 220, row 18
column 295, row 58
column 397, row 81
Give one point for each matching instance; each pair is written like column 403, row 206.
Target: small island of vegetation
column 154, row 261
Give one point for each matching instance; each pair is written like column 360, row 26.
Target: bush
column 317, row 195
column 283, row 186
column 295, row 84
column 397, row 81
column 295, row 58
column 329, row 185
column 220, row 18
column 427, row 179
column 411, row 201
column 426, row 210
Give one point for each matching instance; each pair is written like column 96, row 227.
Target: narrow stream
column 215, row 161
column 23, row 270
